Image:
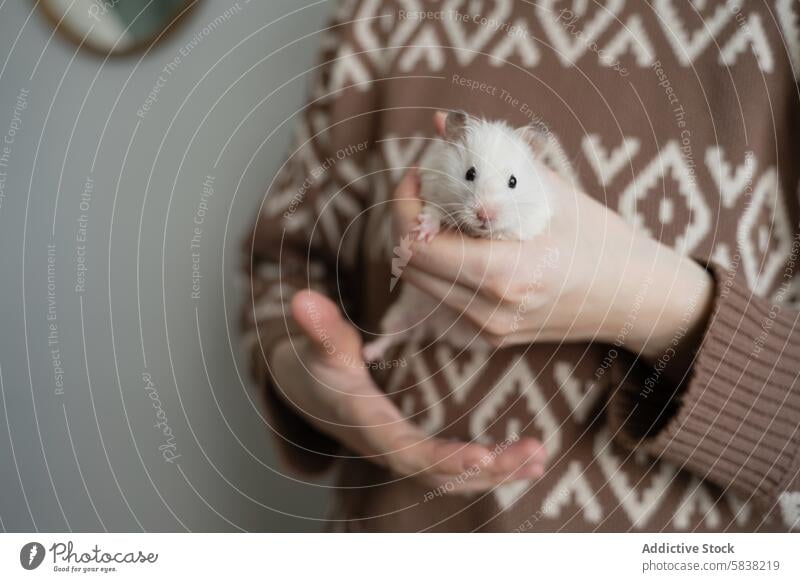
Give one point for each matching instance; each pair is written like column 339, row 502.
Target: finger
column 470, row 261
column 462, row 299
column 322, row 322
column 468, row 466
column 498, row 321
column 452, row 457
column 480, row 483
column 372, row 426
column 439, row 121
column 416, row 454
column 484, row 478
column 407, row 204
column 526, row 452
column 472, row 308
column 493, row 319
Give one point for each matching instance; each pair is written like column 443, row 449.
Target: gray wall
column 85, row 455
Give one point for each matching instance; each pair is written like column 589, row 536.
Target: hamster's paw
column 427, row 228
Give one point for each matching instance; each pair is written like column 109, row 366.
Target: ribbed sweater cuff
column 735, row 421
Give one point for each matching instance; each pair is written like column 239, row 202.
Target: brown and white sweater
column 683, row 117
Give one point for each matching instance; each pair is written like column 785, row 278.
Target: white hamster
column 484, row 181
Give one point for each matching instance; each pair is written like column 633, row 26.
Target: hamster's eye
column 512, row 181
column 471, row 174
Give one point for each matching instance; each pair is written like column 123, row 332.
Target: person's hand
column 589, row 277
column 322, row 376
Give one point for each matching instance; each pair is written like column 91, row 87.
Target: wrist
column 675, row 308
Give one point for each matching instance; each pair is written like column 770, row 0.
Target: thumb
column 331, row 336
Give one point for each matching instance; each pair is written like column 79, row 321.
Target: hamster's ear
column 454, row 125
column 537, row 136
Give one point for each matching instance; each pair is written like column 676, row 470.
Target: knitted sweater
column 682, row 117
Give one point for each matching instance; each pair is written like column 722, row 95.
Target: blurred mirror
column 115, row 26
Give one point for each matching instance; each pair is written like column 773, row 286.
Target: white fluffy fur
column 496, row 151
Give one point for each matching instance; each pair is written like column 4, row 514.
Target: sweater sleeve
column 734, row 420
column 306, row 233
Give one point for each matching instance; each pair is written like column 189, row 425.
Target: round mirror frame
column 54, row 20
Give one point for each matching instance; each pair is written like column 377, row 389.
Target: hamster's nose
column 485, row 214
